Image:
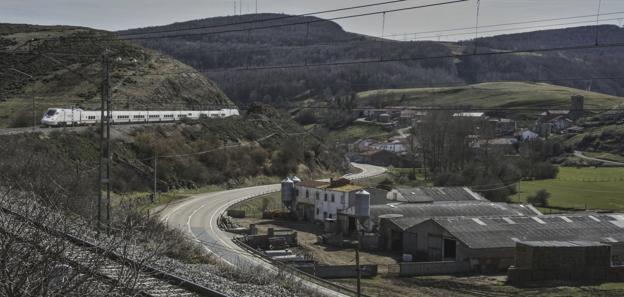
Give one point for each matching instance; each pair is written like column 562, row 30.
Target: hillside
column 66, row 67
column 489, row 95
column 258, row 147
column 326, row 42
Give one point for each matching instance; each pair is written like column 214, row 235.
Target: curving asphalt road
column 197, row 216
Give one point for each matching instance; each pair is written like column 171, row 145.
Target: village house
column 527, row 135
column 395, row 146
column 317, row 200
column 504, row 127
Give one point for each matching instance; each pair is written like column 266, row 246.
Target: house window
column 333, row 199
column 317, row 195
column 325, row 196
column 342, row 199
column 307, row 193
column 330, row 215
column 324, row 215
column 318, row 210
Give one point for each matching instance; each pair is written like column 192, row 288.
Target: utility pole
column 359, row 271
column 154, row 196
column 105, row 155
column 34, row 115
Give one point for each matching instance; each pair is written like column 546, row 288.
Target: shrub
column 540, row 198
column 22, row 118
column 545, row 170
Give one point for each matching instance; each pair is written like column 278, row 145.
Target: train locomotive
column 55, row 117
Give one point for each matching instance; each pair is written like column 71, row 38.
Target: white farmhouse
column 316, row 200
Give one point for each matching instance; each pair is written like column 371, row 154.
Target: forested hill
column 327, row 42
column 65, row 66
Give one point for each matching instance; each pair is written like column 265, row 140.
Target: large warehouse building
column 488, row 243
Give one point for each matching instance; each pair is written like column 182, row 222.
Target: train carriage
column 75, row 117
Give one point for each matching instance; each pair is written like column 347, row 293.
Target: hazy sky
column 124, row 14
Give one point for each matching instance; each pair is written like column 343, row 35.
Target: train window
column 51, row 112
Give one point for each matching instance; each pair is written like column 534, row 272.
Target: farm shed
column 489, row 243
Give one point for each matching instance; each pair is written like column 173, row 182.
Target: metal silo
column 362, row 204
column 288, row 192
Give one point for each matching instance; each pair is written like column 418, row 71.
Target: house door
column 450, row 249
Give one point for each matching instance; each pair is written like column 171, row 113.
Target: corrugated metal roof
column 405, row 223
column 312, row 184
column 452, row 209
column 328, row 186
column 436, row 194
column 500, row 233
column 554, row 243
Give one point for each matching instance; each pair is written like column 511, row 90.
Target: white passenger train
column 77, row 117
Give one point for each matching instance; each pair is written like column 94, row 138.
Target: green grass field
column 490, row 95
column 594, row 188
column 359, row 130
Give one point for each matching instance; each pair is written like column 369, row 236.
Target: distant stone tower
column 577, row 107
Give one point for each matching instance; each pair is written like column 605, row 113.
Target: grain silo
column 288, row 192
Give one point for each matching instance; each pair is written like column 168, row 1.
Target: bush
column 545, row 170
column 22, row 119
column 540, row 198
column 307, row 117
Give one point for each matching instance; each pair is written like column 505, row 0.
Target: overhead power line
column 509, row 24
column 422, row 58
column 256, row 21
column 364, row 40
column 511, row 29
column 267, row 26
column 300, row 23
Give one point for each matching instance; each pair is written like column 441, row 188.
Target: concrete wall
column 432, row 268
column 339, row 271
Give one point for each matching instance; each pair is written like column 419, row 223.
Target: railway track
column 80, row 254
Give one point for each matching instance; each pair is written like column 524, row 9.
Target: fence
column 432, row 268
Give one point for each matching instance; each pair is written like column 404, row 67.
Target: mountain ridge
column 327, row 42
